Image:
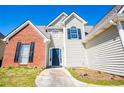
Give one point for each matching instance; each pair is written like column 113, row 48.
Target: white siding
column 56, row 40
column 105, row 52
column 47, row 45
column 75, row 53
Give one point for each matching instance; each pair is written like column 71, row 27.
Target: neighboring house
column 2, row 45
column 68, row 42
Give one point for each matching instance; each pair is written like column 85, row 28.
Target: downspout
column 46, row 53
column 85, row 51
column 64, row 50
column 121, row 32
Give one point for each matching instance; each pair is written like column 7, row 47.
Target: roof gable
column 21, row 27
column 58, row 20
column 43, row 31
column 76, row 16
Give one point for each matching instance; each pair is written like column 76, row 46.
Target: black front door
column 55, row 57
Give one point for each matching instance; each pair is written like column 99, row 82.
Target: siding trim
column 121, row 32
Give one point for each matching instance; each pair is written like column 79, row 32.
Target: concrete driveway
column 57, row 77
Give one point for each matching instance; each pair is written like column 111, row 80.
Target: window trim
column 71, row 38
column 74, row 33
column 20, row 54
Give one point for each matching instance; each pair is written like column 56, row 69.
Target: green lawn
column 18, row 77
column 96, row 77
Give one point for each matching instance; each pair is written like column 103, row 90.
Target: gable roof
column 1, row 36
column 62, row 14
column 22, row 26
column 43, row 30
column 76, row 16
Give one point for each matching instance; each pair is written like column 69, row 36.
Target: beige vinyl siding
column 75, row 52
column 56, row 40
column 74, row 55
column 105, row 52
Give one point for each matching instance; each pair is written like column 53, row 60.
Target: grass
column 18, row 77
column 93, row 77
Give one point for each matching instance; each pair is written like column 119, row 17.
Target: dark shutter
column 31, row 52
column 79, row 33
column 68, row 31
column 17, row 52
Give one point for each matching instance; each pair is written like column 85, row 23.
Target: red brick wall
column 26, row 35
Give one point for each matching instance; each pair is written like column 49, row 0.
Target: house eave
column 104, row 26
column 57, row 18
column 75, row 15
column 22, row 26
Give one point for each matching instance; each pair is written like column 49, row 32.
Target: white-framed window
column 74, row 33
column 24, row 53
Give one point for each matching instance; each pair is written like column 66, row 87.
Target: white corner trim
column 46, row 54
column 63, row 13
column 49, row 62
column 64, row 50
column 122, row 10
column 121, row 32
column 20, row 27
column 75, row 15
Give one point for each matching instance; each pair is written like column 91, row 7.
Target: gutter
column 109, row 22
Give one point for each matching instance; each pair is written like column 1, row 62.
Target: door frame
column 60, row 56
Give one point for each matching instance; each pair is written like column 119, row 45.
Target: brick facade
column 25, row 35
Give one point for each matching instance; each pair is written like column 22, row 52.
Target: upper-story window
column 74, row 33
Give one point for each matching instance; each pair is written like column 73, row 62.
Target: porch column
column 121, row 32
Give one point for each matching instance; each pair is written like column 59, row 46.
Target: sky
column 13, row 16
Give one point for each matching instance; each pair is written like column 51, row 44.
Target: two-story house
column 68, row 41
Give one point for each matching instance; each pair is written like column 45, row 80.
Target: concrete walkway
column 57, row 77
